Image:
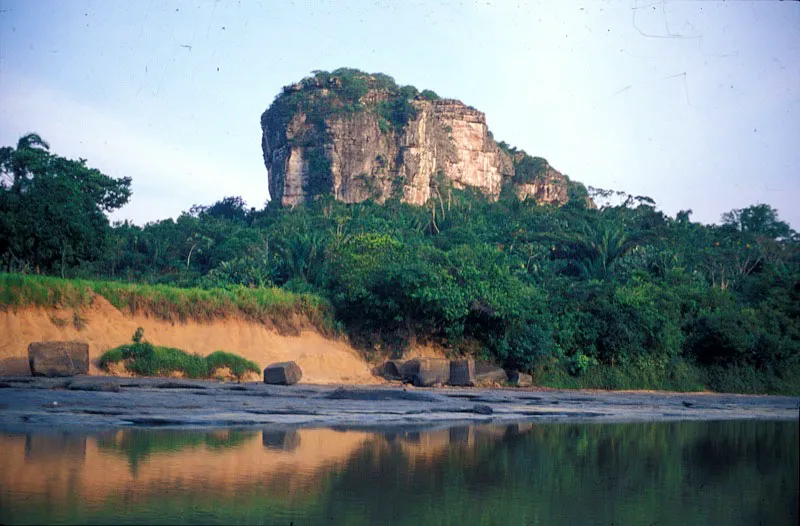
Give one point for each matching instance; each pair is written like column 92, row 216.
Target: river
column 712, row 472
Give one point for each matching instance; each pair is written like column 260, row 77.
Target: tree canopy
column 52, row 209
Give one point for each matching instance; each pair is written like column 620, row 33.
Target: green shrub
column 239, row 366
column 145, row 359
column 528, row 169
column 111, row 356
column 397, row 112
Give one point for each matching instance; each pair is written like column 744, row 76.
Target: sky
column 695, row 104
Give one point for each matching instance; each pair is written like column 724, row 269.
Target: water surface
column 732, row 472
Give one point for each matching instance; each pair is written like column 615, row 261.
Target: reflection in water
column 53, row 447
column 137, row 445
column 281, row 440
column 741, row 472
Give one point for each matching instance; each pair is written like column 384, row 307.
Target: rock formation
column 58, row 358
column 283, row 373
column 462, row 373
column 357, row 136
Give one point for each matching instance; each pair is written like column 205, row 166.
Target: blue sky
column 695, row 104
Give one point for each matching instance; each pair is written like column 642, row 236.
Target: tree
column 761, row 220
column 52, row 208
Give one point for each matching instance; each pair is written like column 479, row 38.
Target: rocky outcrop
column 58, row 358
column 425, row 372
column 283, row 373
column 383, row 144
column 489, row 373
column 518, row 379
column 462, row 373
column 391, row 370
column 549, row 187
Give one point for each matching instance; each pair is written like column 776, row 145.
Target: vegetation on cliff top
column 324, row 94
column 616, row 296
column 281, row 308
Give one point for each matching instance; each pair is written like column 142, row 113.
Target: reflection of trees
column 707, row 472
column 139, row 445
column 741, row 472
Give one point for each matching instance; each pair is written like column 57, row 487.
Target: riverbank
column 103, row 402
column 102, row 326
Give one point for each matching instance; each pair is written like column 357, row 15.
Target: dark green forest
column 618, row 296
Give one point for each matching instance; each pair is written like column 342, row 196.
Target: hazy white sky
column 695, row 104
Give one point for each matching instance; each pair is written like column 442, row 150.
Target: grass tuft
column 239, row 366
column 146, row 359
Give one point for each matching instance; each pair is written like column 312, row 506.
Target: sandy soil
column 323, row 361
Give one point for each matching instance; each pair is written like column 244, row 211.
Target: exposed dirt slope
column 322, row 360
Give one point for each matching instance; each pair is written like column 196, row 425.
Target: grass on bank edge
column 273, row 305
column 146, row 359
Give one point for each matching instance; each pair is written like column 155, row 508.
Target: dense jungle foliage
column 615, row 296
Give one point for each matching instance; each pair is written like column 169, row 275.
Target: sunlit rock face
column 356, row 154
column 549, row 187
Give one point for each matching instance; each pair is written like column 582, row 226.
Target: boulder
column 392, row 370
column 282, row 373
column 488, row 373
column 482, row 409
column 462, row 372
column 429, row 371
column 520, row 379
column 65, row 358
column 409, row 370
column 426, row 378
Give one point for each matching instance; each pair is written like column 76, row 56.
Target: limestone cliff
column 358, row 136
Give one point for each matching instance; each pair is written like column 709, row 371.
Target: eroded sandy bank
column 323, row 361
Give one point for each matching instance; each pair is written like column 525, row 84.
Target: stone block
column 488, row 373
column 282, row 373
column 392, row 370
column 462, row 373
column 520, row 379
column 58, row 358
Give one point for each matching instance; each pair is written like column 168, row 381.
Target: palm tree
column 31, row 141
column 15, row 165
column 596, row 247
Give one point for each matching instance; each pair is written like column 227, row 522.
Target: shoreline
column 101, row 402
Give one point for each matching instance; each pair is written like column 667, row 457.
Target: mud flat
column 107, row 402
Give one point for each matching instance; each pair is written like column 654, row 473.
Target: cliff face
column 534, row 178
column 378, row 144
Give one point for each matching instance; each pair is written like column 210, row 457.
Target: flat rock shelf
column 27, row 402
